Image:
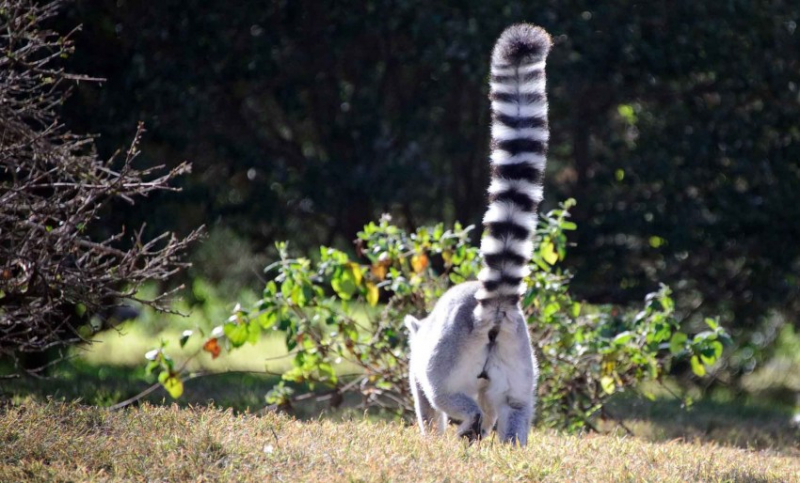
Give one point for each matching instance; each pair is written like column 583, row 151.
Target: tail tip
column 522, row 42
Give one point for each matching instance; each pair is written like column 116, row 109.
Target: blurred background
column 675, row 126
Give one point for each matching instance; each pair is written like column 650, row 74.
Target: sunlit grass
column 57, row 442
column 127, row 346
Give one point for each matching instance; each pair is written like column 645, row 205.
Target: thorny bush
column 59, row 281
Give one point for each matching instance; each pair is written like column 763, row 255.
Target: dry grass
column 64, row 442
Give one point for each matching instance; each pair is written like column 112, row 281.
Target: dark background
column 675, row 125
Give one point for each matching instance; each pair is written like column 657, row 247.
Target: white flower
column 218, row 332
column 152, row 355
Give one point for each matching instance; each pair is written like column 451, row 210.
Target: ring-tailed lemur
column 471, row 358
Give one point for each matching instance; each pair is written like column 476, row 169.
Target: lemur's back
column 471, row 359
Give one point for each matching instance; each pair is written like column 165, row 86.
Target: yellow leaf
column 355, row 269
column 373, row 294
column 419, row 262
column 447, row 256
column 607, row 383
column 174, row 386
column 548, row 252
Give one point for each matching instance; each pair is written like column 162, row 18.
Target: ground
column 62, row 430
column 68, row 442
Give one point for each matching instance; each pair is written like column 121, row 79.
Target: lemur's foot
column 471, row 430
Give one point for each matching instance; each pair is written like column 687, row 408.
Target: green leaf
column 550, row 309
column 456, row 278
column 547, row 250
column 344, row 283
column 152, row 366
column 253, row 332
column 268, row 320
column 697, row 367
column 623, row 337
column 299, row 296
column 568, row 225
column 327, row 369
column 703, row 336
column 627, row 113
column 677, row 343
column 185, row 337
column 286, row 288
column 663, row 330
column 717, row 345
column 711, row 352
column 236, row 333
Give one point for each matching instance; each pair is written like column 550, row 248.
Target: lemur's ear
column 412, row 323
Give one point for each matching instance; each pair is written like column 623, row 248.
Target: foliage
column 56, row 273
column 675, row 125
column 587, row 353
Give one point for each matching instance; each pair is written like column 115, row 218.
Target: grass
column 46, row 436
column 67, row 442
column 127, row 345
column 743, row 422
column 107, row 385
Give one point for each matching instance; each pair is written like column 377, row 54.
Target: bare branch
column 54, row 274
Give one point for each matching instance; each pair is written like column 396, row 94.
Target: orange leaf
column 419, row 262
column 212, row 347
column 378, row 271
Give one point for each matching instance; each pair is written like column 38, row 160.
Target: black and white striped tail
column 519, row 147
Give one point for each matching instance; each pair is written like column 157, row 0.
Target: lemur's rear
column 471, row 358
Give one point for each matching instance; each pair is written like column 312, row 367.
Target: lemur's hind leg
column 429, row 418
column 489, row 409
column 514, row 421
column 462, row 407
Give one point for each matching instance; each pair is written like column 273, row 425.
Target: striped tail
column 519, row 146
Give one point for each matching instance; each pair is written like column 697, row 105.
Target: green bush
column 341, row 308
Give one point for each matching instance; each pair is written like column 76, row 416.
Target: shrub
column 56, row 272
column 341, row 308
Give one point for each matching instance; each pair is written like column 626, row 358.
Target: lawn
column 61, row 430
column 67, row 442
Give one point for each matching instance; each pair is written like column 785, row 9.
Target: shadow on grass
column 733, row 422
column 106, row 385
column 739, row 476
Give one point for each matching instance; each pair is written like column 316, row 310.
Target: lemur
column 471, row 357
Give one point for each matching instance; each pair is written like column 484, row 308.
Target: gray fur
column 471, row 358
column 451, row 348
